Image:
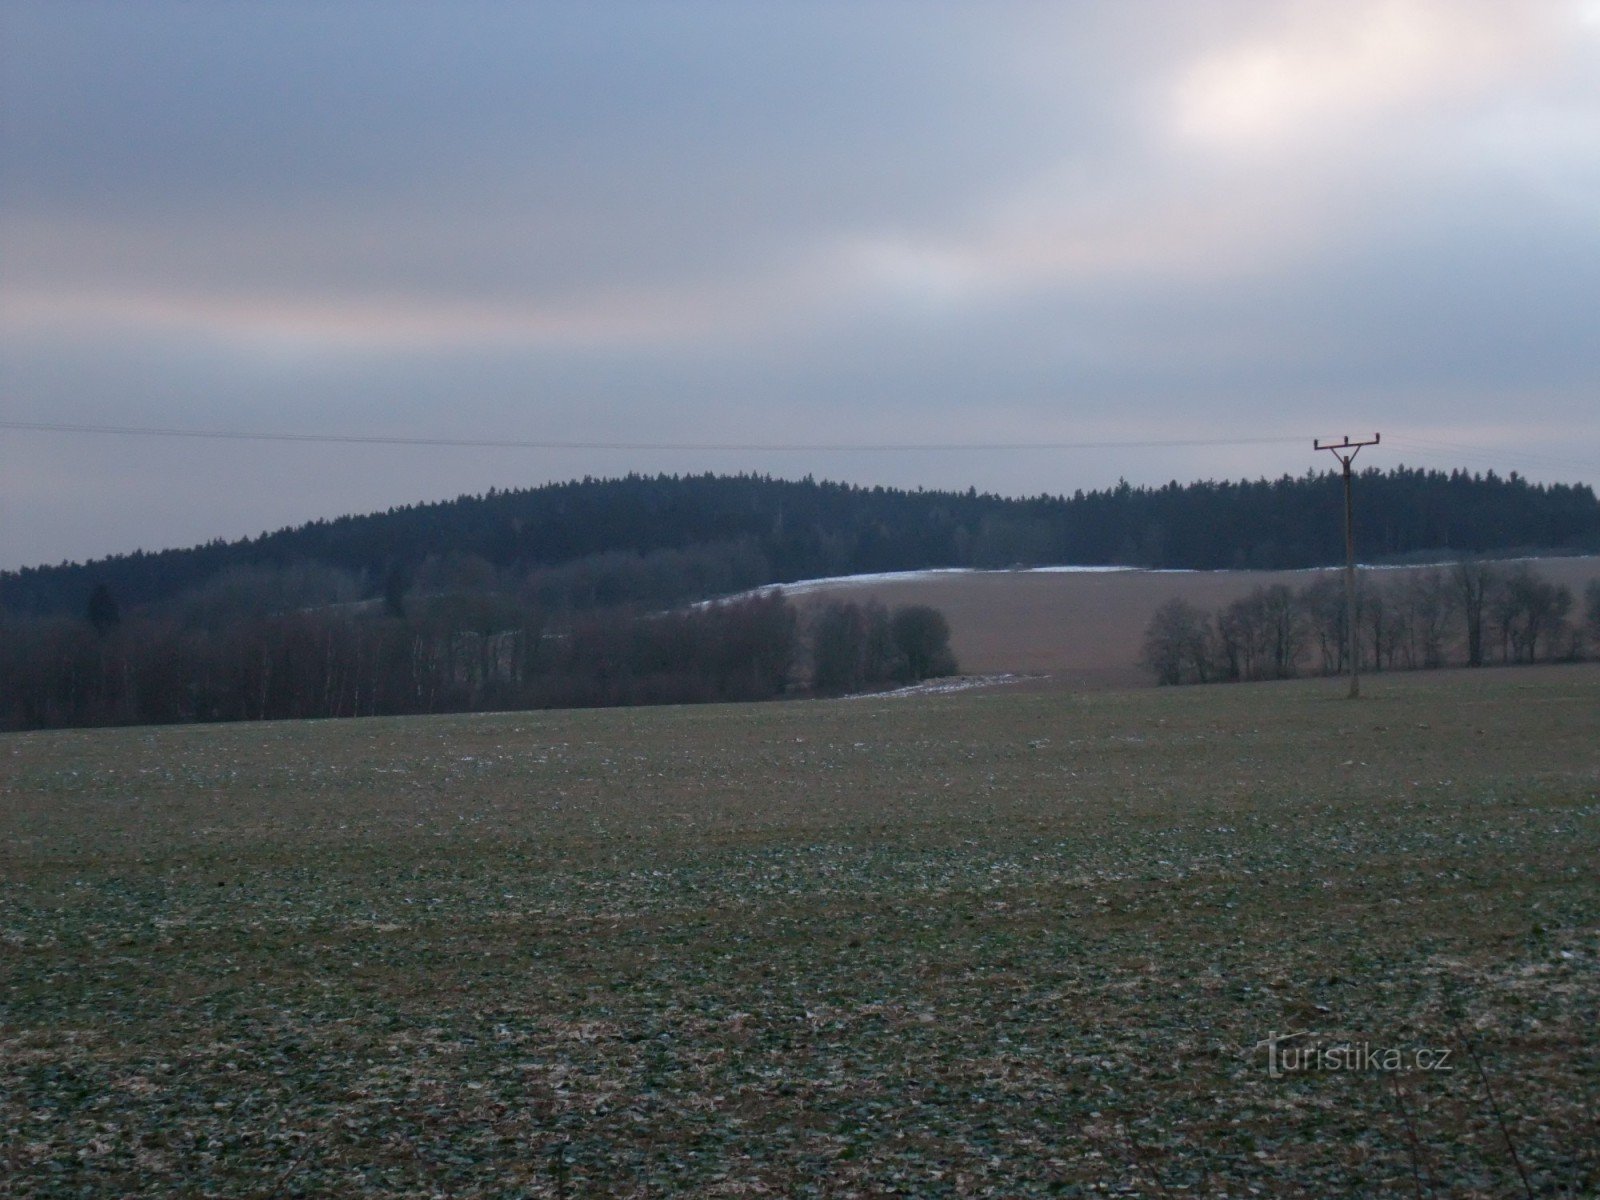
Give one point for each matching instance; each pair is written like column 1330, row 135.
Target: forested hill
column 645, row 538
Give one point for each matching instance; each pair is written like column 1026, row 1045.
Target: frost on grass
column 1009, row 946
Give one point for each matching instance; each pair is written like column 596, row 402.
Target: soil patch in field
column 1084, row 628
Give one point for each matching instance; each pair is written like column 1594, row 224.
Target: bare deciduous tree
column 1591, row 617
column 1475, row 583
column 1529, row 612
column 1178, row 644
column 1430, row 607
column 1323, row 602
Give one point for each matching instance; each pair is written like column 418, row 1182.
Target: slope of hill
column 664, row 539
column 1084, row 629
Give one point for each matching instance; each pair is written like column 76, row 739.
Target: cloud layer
column 719, row 222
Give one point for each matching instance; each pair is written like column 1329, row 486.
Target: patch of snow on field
column 1451, row 562
column 1071, row 570
column 942, row 687
column 800, row 587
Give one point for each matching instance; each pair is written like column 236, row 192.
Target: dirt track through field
column 1084, row 628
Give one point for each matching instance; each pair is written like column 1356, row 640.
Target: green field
column 979, row 945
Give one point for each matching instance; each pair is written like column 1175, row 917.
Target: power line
column 1345, row 451
column 551, row 444
column 1427, row 448
column 1496, row 457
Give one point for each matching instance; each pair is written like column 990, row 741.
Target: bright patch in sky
column 1332, row 68
column 841, row 223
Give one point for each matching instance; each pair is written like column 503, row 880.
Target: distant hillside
column 1084, row 630
column 663, row 539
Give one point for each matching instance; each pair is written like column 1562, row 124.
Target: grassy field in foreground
column 979, row 945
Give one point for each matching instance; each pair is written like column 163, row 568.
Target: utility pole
column 1346, row 452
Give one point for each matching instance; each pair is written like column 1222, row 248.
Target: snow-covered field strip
column 802, row 587
column 943, row 687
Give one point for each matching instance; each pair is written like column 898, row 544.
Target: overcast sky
column 795, row 223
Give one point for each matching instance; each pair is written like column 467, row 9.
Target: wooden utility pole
column 1346, row 451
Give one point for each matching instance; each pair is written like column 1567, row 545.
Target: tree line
column 659, row 540
column 259, row 644
column 1470, row 613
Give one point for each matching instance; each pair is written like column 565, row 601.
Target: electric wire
column 559, row 444
column 1431, row 448
column 1494, row 456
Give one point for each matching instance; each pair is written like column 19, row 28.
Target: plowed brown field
column 1083, row 629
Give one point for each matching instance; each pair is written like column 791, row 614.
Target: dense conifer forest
column 577, row 594
column 662, row 539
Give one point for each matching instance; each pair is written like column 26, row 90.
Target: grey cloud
column 514, row 148
column 726, row 222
